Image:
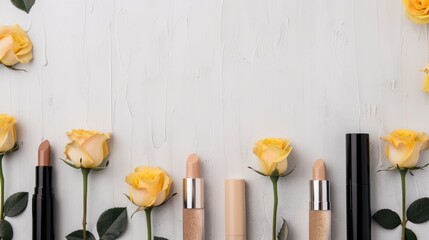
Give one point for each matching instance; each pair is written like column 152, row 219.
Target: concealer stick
column 320, row 205
column 193, row 200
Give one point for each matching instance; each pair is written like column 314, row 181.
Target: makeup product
column 43, row 198
column 235, row 209
column 193, row 200
column 320, row 203
column 358, row 187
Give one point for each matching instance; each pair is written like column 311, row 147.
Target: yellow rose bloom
column 149, row 187
column 7, row 133
column 417, row 10
column 87, row 149
column 15, row 46
column 404, row 147
column 272, row 154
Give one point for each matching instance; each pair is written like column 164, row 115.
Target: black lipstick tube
column 43, row 205
column 358, row 187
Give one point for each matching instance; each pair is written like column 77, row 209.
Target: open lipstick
column 193, row 200
column 320, row 204
column 43, row 198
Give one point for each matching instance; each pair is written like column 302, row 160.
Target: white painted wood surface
column 171, row 77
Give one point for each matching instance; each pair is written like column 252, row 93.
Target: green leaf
column 410, row 235
column 284, row 231
column 258, row 172
column 15, row 148
column 112, row 223
column 418, row 211
column 16, row 204
column 387, row 169
column 129, row 199
column 78, row 235
column 387, row 218
column 126, row 195
column 24, row 5
column 420, row 167
column 168, row 199
column 137, row 210
column 159, row 238
column 102, row 166
column 288, row 173
column 70, row 163
column 6, row 231
column 15, row 69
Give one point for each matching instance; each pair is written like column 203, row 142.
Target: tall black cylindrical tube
column 358, row 187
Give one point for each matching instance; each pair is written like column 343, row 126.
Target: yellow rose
column 272, row 154
column 7, row 133
column 149, row 187
column 404, row 147
column 417, row 10
column 87, row 149
column 15, row 46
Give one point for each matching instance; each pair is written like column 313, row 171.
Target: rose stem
column 2, row 188
column 275, row 180
column 85, row 173
column 404, row 220
column 148, row 212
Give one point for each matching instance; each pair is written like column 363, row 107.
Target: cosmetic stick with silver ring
column 320, row 204
column 193, row 200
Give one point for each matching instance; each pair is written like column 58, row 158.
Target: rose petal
column 6, row 44
column 75, row 154
column 141, row 197
column 160, row 198
column 95, row 148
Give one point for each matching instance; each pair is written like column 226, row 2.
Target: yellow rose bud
column 87, row 149
column 404, row 147
column 7, row 133
column 417, row 10
column 15, row 46
column 149, row 187
column 272, row 154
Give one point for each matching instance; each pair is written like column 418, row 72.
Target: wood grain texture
column 172, row 77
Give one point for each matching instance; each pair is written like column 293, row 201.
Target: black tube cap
column 358, row 187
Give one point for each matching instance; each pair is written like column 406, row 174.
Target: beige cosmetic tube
column 193, row 200
column 320, row 205
column 235, row 209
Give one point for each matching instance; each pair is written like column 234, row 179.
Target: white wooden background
column 172, row 77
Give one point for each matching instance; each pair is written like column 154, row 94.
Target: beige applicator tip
column 319, row 170
column 193, row 166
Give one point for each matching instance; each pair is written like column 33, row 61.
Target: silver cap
column 193, row 193
column 320, row 198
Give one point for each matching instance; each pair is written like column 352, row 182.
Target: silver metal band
column 320, row 198
column 193, row 193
